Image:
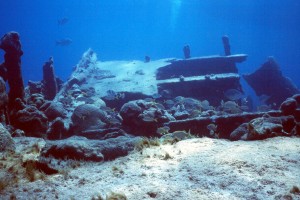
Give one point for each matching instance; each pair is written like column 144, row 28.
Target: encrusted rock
column 57, row 130
column 297, row 98
column 35, row 87
column 6, row 141
column 54, row 110
column 143, row 118
column 32, row 121
column 264, row 127
column 88, row 117
column 289, row 106
column 81, row 148
column 36, row 100
column 175, row 136
column 240, row 133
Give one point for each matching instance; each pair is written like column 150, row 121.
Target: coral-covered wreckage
column 105, row 108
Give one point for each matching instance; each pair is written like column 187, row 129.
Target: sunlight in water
column 175, row 6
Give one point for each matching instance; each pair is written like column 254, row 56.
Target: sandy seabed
column 200, row 168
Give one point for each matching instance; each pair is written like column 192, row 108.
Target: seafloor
column 199, row 168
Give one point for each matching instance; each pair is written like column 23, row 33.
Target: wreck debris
column 186, row 51
column 226, row 45
column 269, row 80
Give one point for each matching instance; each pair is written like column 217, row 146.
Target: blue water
column 131, row 29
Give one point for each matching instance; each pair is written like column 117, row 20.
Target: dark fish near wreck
column 62, row 21
column 63, row 42
column 233, row 94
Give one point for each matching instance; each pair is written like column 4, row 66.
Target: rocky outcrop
column 223, row 124
column 36, row 100
column 32, row 121
column 103, row 134
column 54, row 110
column 80, row 148
column 88, row 117
column 264, row 127
column 143, row 118
column 35, row 87
column 6, row 141
column 11, row 44
column 291, row 106
column 57, row 130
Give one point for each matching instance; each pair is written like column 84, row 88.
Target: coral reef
column 88, row 117
column 57, row 130
column 142, row 117
column 54, row 110
column 32, row 121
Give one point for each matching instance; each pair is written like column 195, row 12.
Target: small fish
column 195, row 113
column 62, row 21
column 156, row 96
column 181, row 135
column 149, row 99
column 169, row 102
column 159, row 106
column 63, row 42
column 114, row 121
column 149, row 119
column 233, row 94
column 163, row 130
column 107, row 109
column 205, row 105
column 166, row 93
column 212, row 127
column 66, row 100
column 86, row 100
